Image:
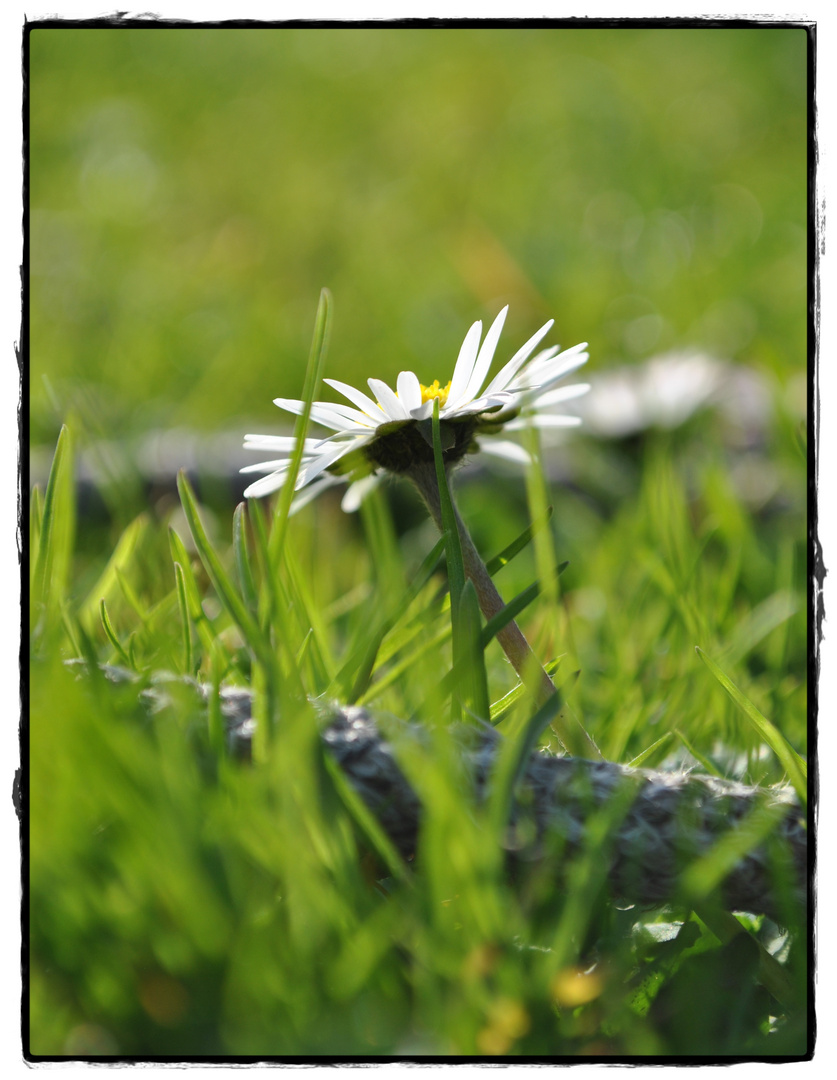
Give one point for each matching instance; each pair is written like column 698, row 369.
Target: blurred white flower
column 392, row 432
column 663, row 392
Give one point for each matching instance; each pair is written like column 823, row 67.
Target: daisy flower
column 392, row 430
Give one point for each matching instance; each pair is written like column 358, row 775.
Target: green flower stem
column 573, row 736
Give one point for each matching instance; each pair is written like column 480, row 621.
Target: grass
column 182, row 904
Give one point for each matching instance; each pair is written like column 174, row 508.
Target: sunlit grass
column 185, row 904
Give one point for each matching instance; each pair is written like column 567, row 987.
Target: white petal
column 562, row 393
column 357, row 493
column 424, row 410
column 281, row 444
column 269, row 466
column 266, row 485
column 480, row 405
column 313, row 490
column 389, row 400
column 486, row 355
column 341, row 436
column 366, row 404
column 502, row 380
column 337, row 417
column 409, row 390
column 505, row 448
column 321, row 463
column 464, row 364
column 543, row 420
column 551, row 372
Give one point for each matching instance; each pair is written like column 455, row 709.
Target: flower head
column 392, row 431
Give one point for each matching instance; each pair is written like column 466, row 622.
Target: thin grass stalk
column 313, row 374
column 570, row 732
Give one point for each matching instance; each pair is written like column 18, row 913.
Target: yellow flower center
column 434, row 390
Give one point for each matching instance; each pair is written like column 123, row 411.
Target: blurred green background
column 192, row 190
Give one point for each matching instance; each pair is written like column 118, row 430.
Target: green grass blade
column 640, row 759
column 273, row 601
column 119, row 561
column 708, row 871
column 706, row 764
column 511, row 762
column 358, row 669
column 382, row 542
column 224, row 587
column 242, row 560
column 36, row 516
column 203, row 626
column 516, row 546
column 268, row 599
column 130, row 595
column 502, row 707
column 113, row 639
column 366, row 821
column 73, row 631
column 185, row 621
column 761, row 621
column 313, row 374
column 319, row 655
column 57, row 532
column 537, row 492
column 473, row 680
column 453, row 547
column 461, row 673
column 397, row 670
column 512, row 609
column 793, row 764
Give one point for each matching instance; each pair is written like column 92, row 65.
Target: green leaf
column 793, row 764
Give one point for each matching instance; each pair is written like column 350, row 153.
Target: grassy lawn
column 191, row 192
